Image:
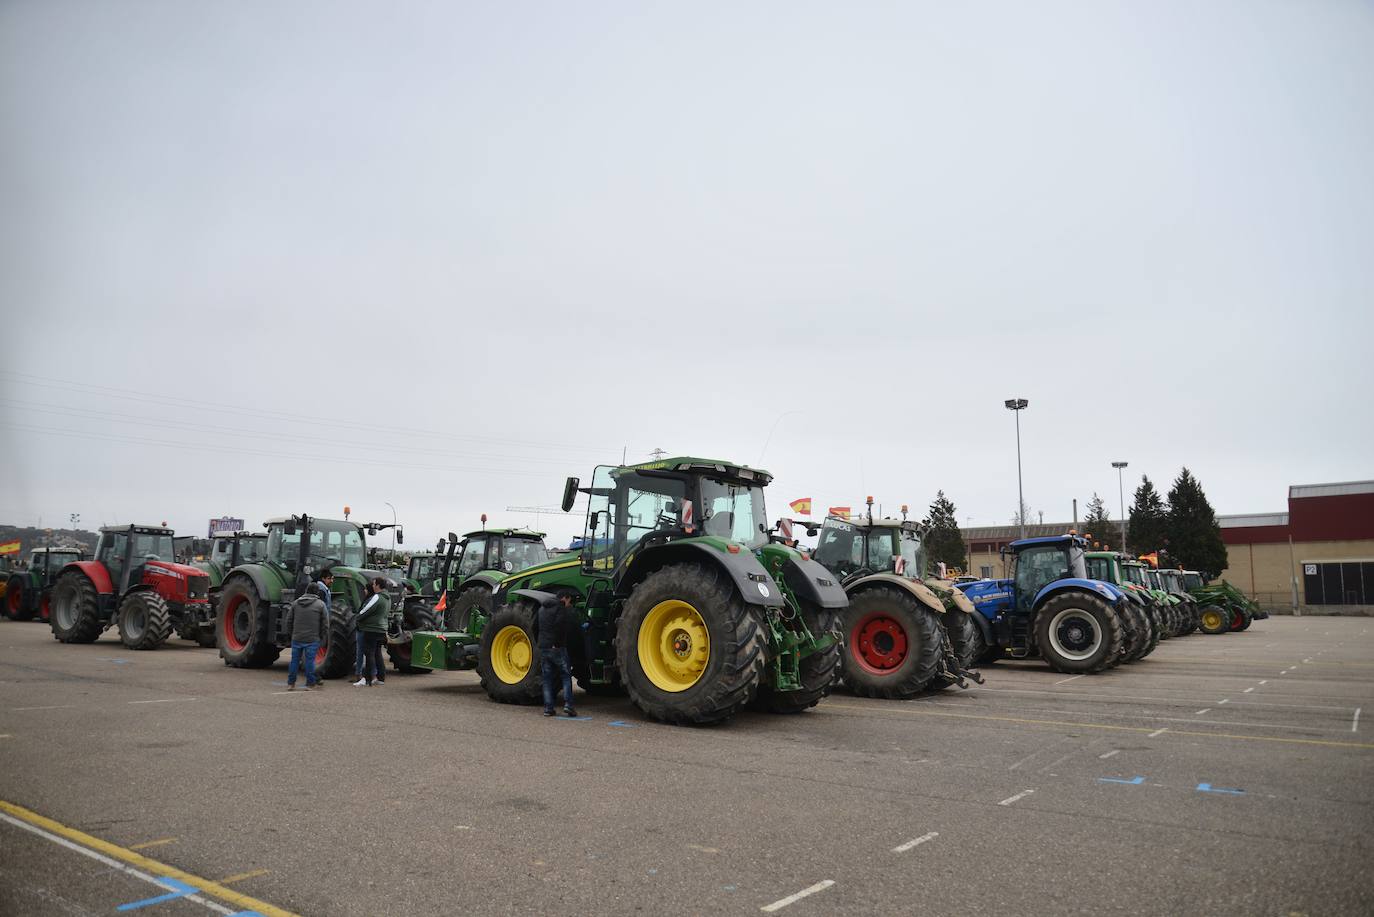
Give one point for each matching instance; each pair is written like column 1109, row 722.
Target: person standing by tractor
column 306, row 620
column 555, row 621
column 372, row 621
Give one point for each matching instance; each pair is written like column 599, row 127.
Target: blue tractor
column 1050, row 607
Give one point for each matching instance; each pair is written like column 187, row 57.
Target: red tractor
column 134, row 583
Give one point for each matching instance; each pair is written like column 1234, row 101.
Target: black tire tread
column 925, row 643
column 157, row 620
column 1106, row 618
column 819, row 671
column 87, row 626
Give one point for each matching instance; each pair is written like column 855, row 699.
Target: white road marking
column 113, row 863
column 1202, row 711
column 165, row 700
column 1067, row 680
column 5, row 735
column 274, row 692
column 1355, row 723
column 1110, row 753
column 1225, row 700
column 1010, row 799
column 1247, row 690
column 794, row 898
column 1167, row 700
column 1157, row 733
column 53, row 707
column 915, row 842
column 1264, row 681
column 1307, row 660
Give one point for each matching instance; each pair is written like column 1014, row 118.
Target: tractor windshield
column 1100, row 569
column 840, row 548
column 252, row 549
column 1192, row 580
column 58, row 559
column 913, row 555
column 330, row 543
column 421, row 568
column 153, row 546
column 734, row 511
column 520, row 553
column 1134, row 574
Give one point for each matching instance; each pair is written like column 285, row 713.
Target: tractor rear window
column 1100, row 569
column 149, row 546
column 734, row 511
column 518, row 554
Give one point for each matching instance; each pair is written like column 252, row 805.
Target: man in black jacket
column 556, row 620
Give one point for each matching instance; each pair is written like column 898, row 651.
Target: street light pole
column 1016, row 406
column 393, row 532
column 1121, row 495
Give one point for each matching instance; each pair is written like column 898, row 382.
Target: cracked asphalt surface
column 1222, row 775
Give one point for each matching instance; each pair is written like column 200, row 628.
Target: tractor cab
column 504, row 551
column 132, row 552
column 422, row 573
column 27, row 591
column 636, row 507
column 1193, row 580
column 855, row 549
column 1038, row 562
column 303, row 545
column 229, row 550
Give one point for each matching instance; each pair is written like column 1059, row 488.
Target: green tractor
column 422, row 575
column 1221, row 598
column 27, row 592
column 1137, row 575
column 226, row 551
column 904, row 633
column 1141, row 626
column 685, row 600
column 253, row 599
column 1190, row 617
column 473, row 569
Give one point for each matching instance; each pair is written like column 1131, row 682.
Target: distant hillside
column 37, row 538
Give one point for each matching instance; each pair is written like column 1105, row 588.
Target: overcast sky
column 269, row 257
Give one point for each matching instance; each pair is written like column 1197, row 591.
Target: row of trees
column 1184, row 530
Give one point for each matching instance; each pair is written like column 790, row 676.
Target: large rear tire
column 338, row 653
column 1077, row 633
column 458, row 616
column 241, row 627
column 507, row 658
column 818, row 672
column 415, row 615
column 75, row 616
column 1240, row 619
column 893, row 643
column 144, row 622
column 17, row 606
column 1135, row 632
column 1214, row 620
column 1156, row 630
column 689, row 648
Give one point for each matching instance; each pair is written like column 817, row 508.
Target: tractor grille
column 197, row 587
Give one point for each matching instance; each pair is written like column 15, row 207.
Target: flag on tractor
column 443, row 602
column 1152, row 559
column 801, row 507
column 842, row 511
column 9, row 547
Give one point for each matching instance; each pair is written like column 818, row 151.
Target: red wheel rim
column 14, row 599
column 43, row 607
column 1237, row 620
column 231, row 640
column 322, row 652
column 878, row 643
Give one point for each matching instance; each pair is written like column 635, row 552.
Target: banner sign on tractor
column 225, row 524
column 9, row 547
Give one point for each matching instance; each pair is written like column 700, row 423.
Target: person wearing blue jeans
column 305, row 619
column 554, row 622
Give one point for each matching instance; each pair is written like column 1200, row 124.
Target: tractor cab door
column 624, row 507
column 473, row 557
column 113, row 552
column 1036, row 568
column 840, row 548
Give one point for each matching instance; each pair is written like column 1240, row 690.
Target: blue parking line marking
column 1208, row 788
column 1134, row 782
column 182, row 890
column 574, row 719
column 623, row 723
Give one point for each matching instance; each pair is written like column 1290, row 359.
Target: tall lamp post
column 393, row 532
column 1016, row 406
column 1121, row 495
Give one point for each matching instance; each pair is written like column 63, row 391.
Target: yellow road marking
column 214, row 889
column 157, row 843
column 1172, row 731
column 239, row 877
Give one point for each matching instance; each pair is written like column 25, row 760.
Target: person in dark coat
column 372, row 621
column 556, row 622
column 305, row 619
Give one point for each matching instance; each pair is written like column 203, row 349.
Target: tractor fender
column 254, row 575
column 752, row 581
column 960, row 600
column 811, row 582
column 95, row 572
column 921, row 591
column 535, row 595
column 489, row 578
column 1103, row 590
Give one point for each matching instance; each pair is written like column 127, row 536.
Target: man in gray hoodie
column 306, row 620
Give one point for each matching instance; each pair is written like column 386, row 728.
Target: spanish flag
column 801, row 507
column 1152, row 559
column 842, row 511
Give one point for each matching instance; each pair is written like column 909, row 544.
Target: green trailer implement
column 27, row 592
column 250, row 618
column 684, row 600
column 1235, row 606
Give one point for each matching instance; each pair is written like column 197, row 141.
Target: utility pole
column 393, row 532
column 1016, row 406
column 1121, row 496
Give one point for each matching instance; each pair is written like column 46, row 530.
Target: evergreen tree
column 1193, row 535
column 1097, row 524
column 1149, row 519
column 943, row 541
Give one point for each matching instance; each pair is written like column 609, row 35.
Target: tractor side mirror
column 289, row 528
column 452, row 538
column 400, row 535
column 439, row 546
column 372, row 530
column 570, row 493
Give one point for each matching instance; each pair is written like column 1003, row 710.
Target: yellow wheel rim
column 1211, row 620
column 674, row 646
column 511, row 654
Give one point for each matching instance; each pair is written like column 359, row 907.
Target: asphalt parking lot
column 1222, row 775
